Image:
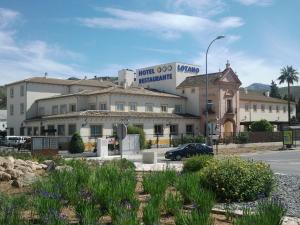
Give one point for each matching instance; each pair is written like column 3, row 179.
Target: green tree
column 76, row 144
column 274, row 91
column 140, row 131
column 288, row 75
column 262, row 125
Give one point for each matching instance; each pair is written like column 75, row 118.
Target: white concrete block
column 102, row 147
column 149, row 157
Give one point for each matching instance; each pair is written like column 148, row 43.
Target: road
column 285, row 162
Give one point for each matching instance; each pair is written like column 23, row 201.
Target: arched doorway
column 228, row 127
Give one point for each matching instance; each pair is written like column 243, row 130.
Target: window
column 41, row 111
column 61, row 130
column 229, row 106
column 254, row 108
column 149, row 107
column 63, row 109
column 246, row 107
column 189, row 129
column 103, row 106
column 292, row 109
column 132, row 106
column 22, row 108
column 11, row 131
column 22, row 131
column 164, row 108
column 11, row 92
column 270, row 108
column 35, row 131
column 11, row 110
column 71, row 129
column 174, row 129
column 22, row 90
column 55, row 109
column 262, row 107
column 284, row 109
column 120, row 106
column 42, row 131
column 29, row 131
column 51, row 130
column 158, row 129
column 182, row 91
column 210, row 105
column 178, row 108
column 277, row 108
column 96, row 130
column 193, row 90
column 72, row 107
column 92, row 106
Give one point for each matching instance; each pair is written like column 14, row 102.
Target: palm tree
column 288, row 75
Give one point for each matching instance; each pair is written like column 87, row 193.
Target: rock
column 14, row 173
column 38, row 167
column 50, row 165
column 26, row 180
column 20, row 162
column 63, row 168
column 8, row 165
column 5, row 176
column 24, row 169
column 43, row 166
column 2, row 160
column 2, row 169
column 10, row 159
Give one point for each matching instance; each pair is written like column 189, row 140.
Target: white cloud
column 198, row 7
column 167, row 25
column 18, row 61
column 255, row 2
column 250, row 69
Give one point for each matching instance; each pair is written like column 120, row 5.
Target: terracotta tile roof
column 48, row 80
column 259, row 97
column 98, row 113
column 120, row 90
column 198, row 80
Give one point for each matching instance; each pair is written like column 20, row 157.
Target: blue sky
column 86, row 38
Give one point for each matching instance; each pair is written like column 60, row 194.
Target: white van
column 15, row 141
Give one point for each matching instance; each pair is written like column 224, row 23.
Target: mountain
column 295, row 91
column 259, row 87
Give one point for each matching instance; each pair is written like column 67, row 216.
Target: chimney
column 246, row 90
column 227, row 64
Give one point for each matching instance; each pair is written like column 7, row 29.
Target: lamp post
column 206, row 88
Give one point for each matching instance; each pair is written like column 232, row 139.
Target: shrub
column 234, row 179
column 194, row 218
column 10, row 209
column 140, row 131
column 76, row 144
column 122, row 164
column 262, row 125
column 187, row 184
column 172, row 204
column 268, row 213
column 242, row 138
column 151, row 213
column 196, row 163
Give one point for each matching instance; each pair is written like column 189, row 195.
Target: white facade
column 177, row 103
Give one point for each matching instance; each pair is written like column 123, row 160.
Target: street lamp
column 206, row 88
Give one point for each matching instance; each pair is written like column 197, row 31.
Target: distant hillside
column 2, row 98
column 258, row 87
column 295, row 91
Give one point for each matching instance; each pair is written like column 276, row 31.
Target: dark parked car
column 187, row 150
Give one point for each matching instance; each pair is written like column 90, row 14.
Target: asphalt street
column 284, row 162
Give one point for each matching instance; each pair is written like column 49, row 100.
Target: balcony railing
column 231, row 110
